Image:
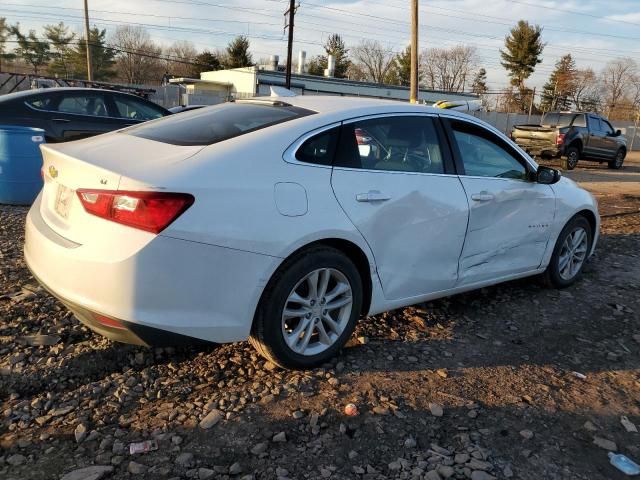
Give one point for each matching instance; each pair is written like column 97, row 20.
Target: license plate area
column 64, row 197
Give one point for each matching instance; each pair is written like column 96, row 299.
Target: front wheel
column 616, row 163
column 570, row 253
column 309, row 309
column 572, row 157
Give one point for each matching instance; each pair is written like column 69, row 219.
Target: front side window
column 83, row 104
column 134, row 109
column 210, row 125
column 485, row 155
column 398, row 143
column 606, row 127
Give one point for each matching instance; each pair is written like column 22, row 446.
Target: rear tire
column 570, row 253
column 572, row 156
column 616, row 163
column 295, row 325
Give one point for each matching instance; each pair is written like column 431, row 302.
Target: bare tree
column 586, row 93
column 617, row 79
column 373, row 60
column 138, row 57
column 180, row 57
column 448, row 69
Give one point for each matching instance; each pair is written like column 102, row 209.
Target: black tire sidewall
column 553, row 270
column 272, row 304
column 570, row 151
column 614, row 163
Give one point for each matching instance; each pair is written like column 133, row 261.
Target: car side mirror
column 618, row 133
column 547, row 175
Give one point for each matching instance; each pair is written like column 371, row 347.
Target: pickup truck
column 573, row 136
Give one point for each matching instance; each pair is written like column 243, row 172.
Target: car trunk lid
column 97, row 163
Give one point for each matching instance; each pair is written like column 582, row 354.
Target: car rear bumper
column 167, row 290
column 540, row 148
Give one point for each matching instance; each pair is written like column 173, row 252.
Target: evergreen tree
column 102, row 57
column 557, row 93
column 60, row 41
column 523, row 49
column 31, row 49
column 205, row 62
column 479, row 85
column 5, row 31
column 333, row 46
column 400, row 73
column 238, row 53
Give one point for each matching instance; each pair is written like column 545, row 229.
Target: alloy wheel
column 317, row 311
column 573, row 253
column 572, row 160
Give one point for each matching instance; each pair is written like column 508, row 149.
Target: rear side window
column 579, row 121
column 320, row 148
column 211, row 125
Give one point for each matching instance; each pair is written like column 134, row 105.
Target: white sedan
column 267, row 219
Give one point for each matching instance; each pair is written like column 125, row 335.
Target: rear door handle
column 60, row 120
column 372, row 196
column 482, row 197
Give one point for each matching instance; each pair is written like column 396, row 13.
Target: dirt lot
column 479, row 386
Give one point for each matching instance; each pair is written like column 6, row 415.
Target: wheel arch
column 577, row 143
column 591, row 218
column 353, row 251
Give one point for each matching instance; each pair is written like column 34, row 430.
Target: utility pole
column 87, row 41
column 533, row 97
column 413, row 96
column 291, row 12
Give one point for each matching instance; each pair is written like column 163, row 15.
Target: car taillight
column 560, row 139
column 150, row 211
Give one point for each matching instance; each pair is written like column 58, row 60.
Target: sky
column 594, row 32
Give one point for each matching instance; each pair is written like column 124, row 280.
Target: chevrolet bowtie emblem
column 53, row 171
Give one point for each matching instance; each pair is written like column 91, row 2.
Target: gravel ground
column 513, row 381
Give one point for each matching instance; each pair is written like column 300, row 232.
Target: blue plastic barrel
column 20, row 164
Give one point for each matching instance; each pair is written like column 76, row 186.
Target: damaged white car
column 285, row 220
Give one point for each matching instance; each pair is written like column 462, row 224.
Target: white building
column 216, row 86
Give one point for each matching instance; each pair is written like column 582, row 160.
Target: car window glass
column 579, row 121
column 217, row 123
column 594, row 122
column 320, row 148
column 484, row 156
column 135, row 109
column 606, row 127
column 42, row 103
column 83, row 104
column 398, row 143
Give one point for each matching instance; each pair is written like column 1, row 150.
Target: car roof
column 38, row 91
column 336, row 104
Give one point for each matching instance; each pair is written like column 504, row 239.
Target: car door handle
column 482, row 197
column 60, row 120
column 372, row 196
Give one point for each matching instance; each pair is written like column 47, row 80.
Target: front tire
column 570, row 253
column 572, row 156
column 616, row 163
column 309, row 309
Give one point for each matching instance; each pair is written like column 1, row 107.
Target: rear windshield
column 557, row 119
column 215, row 124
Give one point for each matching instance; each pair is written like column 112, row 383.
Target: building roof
column 303, row 78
